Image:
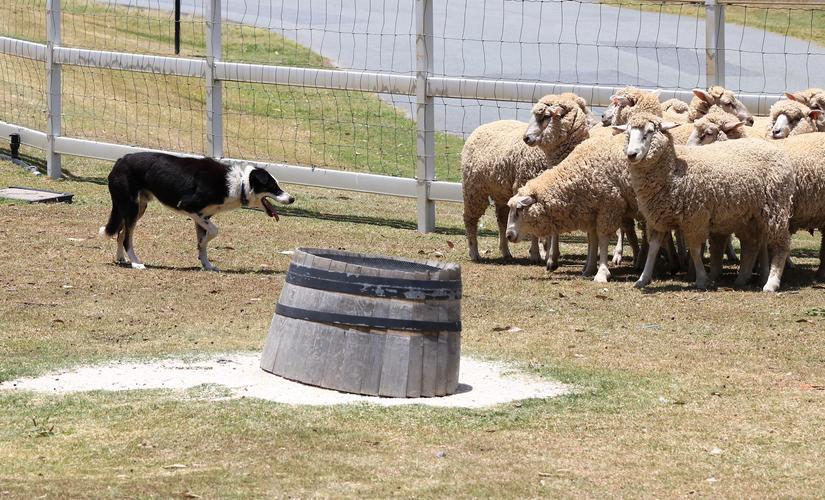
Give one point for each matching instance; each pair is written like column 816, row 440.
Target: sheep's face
column 715, row 127
column 520, row 211
column 645, row 137
column 675, row 106
column 793, row 118
column 722, row 97
column 624, row 98
column 552, row 121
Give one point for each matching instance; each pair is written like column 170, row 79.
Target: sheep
column 589, row 190
column 623, row 103
column 696, row 189
column 501, row 156
column 719, row 125
column 719, row 96
column 814, row 98
column 676, row 108
column 807, row 154
column 789, row 118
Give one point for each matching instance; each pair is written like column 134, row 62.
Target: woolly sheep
column 814, row 98
column 789, row 118
column 676, row 108
column 623, row 103
column 696, row 189
column 719, row 125
column 501, row 156
column 807, row 153
column 589, row 190
column 719, row 96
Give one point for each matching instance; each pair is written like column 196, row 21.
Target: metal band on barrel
column 372, row 285
column 367, row 321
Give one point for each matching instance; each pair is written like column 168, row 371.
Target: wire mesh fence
column 768, row 48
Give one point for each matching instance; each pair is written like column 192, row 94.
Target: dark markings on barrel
column 367, row 321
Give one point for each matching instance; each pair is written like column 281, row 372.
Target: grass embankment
column 352, row 131
column 798, row 21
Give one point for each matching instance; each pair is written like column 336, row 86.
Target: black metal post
column 15, row 146
column 177, row 26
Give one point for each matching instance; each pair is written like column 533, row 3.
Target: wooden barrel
column 367, row 324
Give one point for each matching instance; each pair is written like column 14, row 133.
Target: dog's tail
column 114, row 224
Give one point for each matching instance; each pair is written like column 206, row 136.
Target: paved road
column 551, row 41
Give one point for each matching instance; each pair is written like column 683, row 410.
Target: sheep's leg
column 718, row 243
column 502, row 211
column 654, row 242
column 617, row 252
column 672, row 253
column 553, row 253
column 750, row 251
column 644, row 249
column 632, row 240
column 682, row 251
column 702, row 280
column 592, row 250
column 473, row 210
column 764, row 263
column 604, row 273
column 730, row 252
column 779, row 249
column 820, row 273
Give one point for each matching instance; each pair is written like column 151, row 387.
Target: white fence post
column 715, row 42
column 424, row 114
column 53, row 87
column 214, row 87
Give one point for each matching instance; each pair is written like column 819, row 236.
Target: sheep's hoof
column 771, row 286
column 702, row 285
column 589, row 271
column 641, row 283
column 617, row 259
column 789, row 264
column 552, row 265
column 474, row 256
column 135, row 265
column 601, row 277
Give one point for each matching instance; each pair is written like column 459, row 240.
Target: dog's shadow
column 198, row 269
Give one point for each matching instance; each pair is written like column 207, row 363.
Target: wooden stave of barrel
column 370, row 329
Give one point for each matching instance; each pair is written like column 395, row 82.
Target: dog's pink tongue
column 274, row 214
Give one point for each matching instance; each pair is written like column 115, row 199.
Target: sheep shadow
column 199, row 269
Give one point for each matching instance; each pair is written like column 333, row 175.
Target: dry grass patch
column 666, row 377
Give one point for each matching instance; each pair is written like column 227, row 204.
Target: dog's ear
column 260, row 176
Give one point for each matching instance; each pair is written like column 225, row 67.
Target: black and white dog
column 196, row 187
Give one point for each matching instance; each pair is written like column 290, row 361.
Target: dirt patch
column 481, row 383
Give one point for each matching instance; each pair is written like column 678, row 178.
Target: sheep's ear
column 790, row 96
column 553, row 111
column 815, row 114
column 614, row 99
column 656, row 92
column 727, row 127
column 620, row 128
column 668, row 125
column 524, row 201
column 623, row 101
column 703, row 95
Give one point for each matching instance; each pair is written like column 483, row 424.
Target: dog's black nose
column 291, row 200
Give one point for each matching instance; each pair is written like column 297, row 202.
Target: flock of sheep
column 686, row 173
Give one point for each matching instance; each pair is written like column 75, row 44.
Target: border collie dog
column 196, row 187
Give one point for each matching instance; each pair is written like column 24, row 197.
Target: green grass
column 354, row 131
column 805, row 22
column 663, row 377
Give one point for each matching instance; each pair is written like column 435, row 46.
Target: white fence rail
column 423, row 85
